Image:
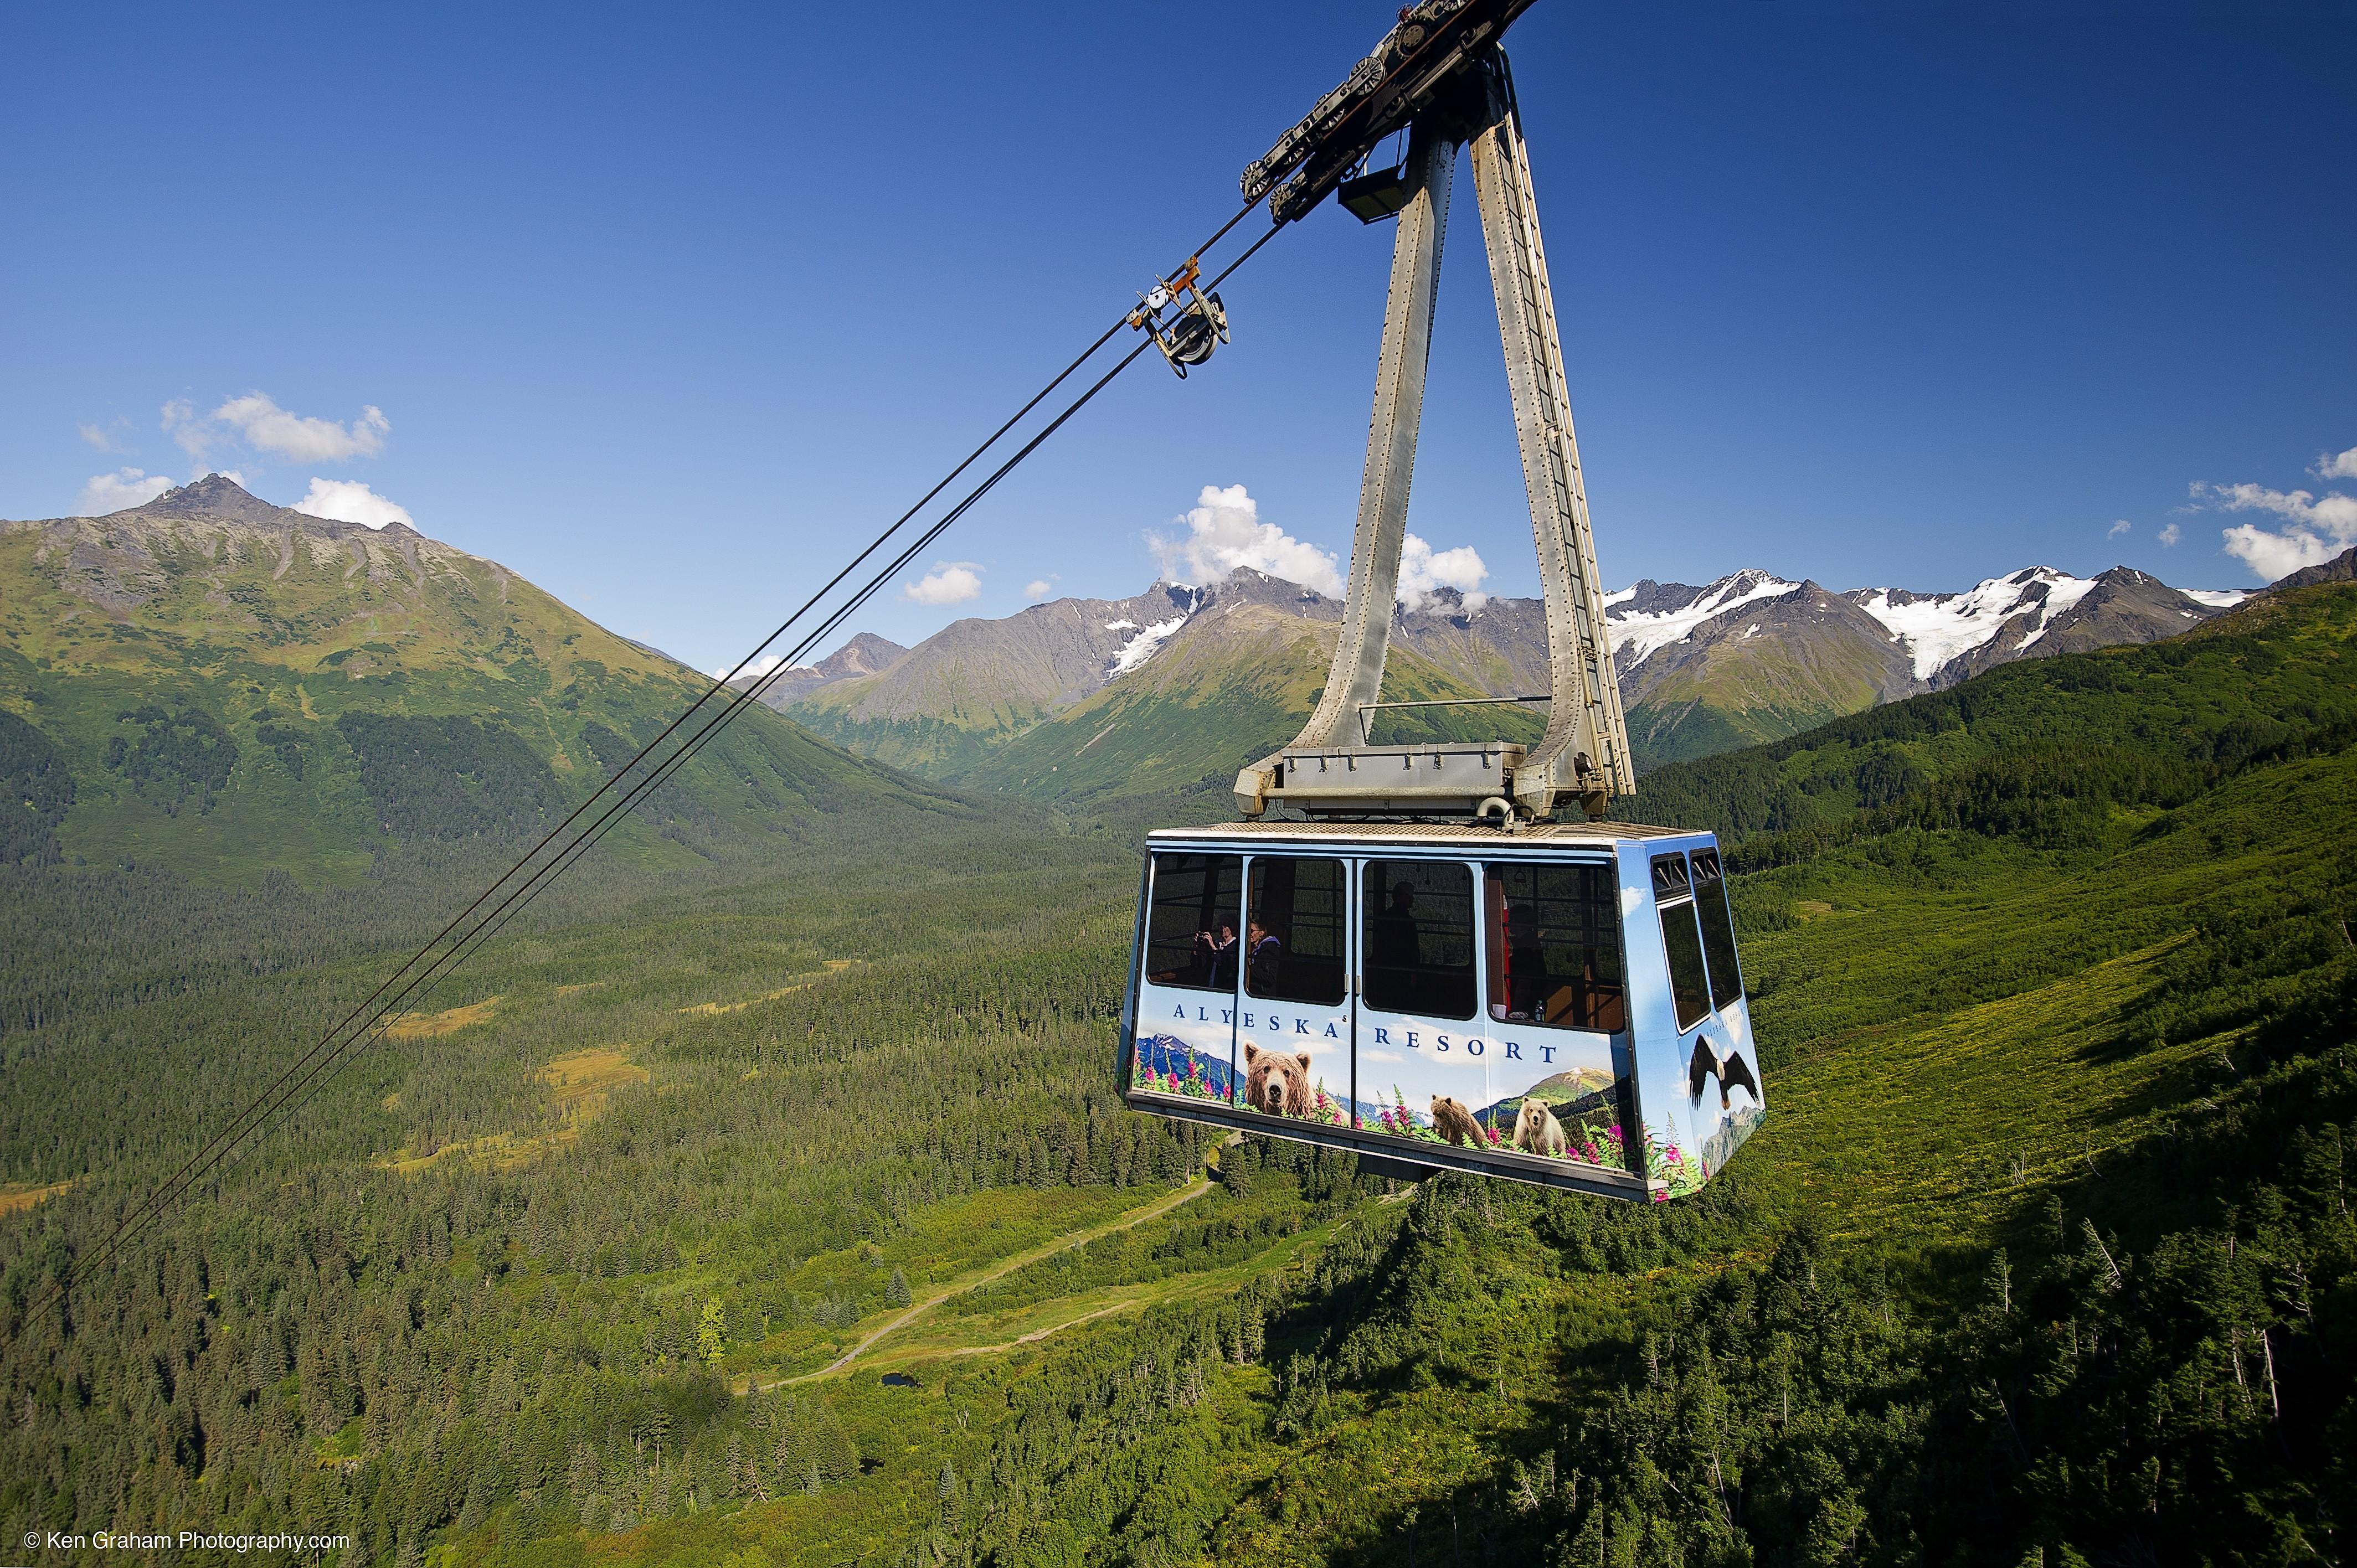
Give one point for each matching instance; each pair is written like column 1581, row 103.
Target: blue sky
column 662, row 308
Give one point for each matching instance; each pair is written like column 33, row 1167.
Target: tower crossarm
column 1330, row 769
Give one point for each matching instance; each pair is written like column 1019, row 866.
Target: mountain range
column 1020, row 703
column 222, row 687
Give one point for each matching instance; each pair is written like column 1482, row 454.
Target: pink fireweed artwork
column 1193, row 1086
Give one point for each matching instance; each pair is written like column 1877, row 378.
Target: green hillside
column 221, row 688
column 924, row 745
column 1732, row 693
column 2045, row 1255
column 2056, row 752
column 1231, row 688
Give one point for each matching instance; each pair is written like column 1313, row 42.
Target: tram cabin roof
column 1452, row 837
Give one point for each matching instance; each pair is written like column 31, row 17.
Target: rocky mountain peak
column 218, row 498
column 863, row 655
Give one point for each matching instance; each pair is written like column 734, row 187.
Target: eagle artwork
column 1731, row 1070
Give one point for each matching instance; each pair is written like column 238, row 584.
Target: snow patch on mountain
column 2218, row 599
column 1938, row 629
column 1637, row 634
column 1143, row 647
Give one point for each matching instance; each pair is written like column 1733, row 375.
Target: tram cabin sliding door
column 1423, row 1062
column 1493, row 1006
column 1293, row 1021
column 1187, row 979
column 1558, row 1008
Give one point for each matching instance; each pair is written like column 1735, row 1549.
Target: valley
column 609, row 1247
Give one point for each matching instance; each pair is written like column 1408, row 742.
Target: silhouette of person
column 1396, row 945
column 1213, row 949
column 1223, row 958
column 1263, row 951
column 1526, row 962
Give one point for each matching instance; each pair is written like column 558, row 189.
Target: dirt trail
column 1196, row 1186
column 1038, row 1334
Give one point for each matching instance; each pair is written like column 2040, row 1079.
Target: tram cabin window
column 1718, row 926
column 1193, row 934
column 1294, row 930
column 1417, row 916
column 1554, row 944
column 1689, row 980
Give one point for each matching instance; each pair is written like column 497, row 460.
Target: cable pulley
column 1185, row 321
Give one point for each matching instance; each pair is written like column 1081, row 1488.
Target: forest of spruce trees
column 2046, row 1254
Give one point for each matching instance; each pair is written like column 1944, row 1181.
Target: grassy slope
column 1960, row 1028
column 274, row 654
column 1967, row 1014
column 1233, row 688
column 1734, row 693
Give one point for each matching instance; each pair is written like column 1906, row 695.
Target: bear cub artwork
column 1537, row 1132
column 1276, row 1084
column 1454, row 1123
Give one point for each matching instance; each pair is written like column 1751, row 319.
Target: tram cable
column 515, row 904
column 521, row 897
column 366, row 1023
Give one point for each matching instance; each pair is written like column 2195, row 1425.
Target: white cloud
column 2119, row 526
column 2315, row 528
column 2272, row 555
column 181, row 422
column 951, row 585
column 1224, row 532
column 104, row 438
column 257, row 421
column 2337, row 465
column 1421, row 571
column 124, row 488
column 1038, row 588
column 2171, row 534
column 349, row 500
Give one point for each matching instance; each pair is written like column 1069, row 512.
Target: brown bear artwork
column 1536, row 1131
column 1454, row 1123
column 1276, row 1084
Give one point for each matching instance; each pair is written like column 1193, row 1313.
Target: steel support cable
column 875, row 584
column 598, row 830
column 473, row 941
column 296, row 1081
column 211, row 1152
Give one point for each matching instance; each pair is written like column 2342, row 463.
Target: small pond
column 900, row 1380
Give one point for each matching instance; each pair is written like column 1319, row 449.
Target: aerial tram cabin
column 1401, row 951
column 1561, row 1005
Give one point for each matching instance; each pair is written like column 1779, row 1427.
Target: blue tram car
column 1560, row 1005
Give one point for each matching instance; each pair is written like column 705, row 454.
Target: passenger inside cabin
column 1262, row 955
column 1526, row 969
column 1215, row 955
column 1395, row 943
